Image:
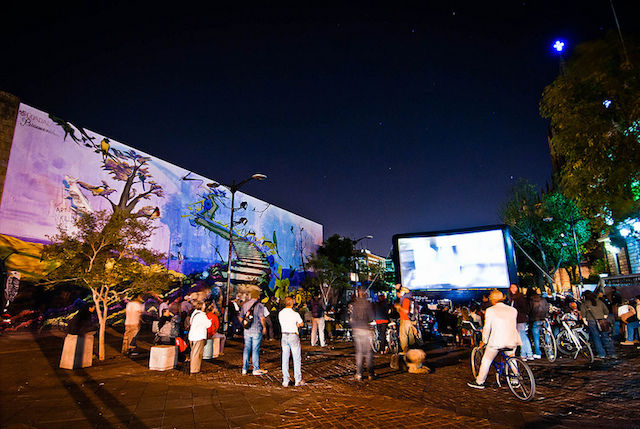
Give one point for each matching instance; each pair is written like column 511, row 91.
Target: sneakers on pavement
column 301, row 383
column 244, row 372
column 358, row 377
column 475, row 385
column 537, row 356
column 285, row 384
column 260, row 372
column 627, row 343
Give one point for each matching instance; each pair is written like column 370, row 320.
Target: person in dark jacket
column 538, row 311
column 362, row 315
column 519, row 302
column 82, row 322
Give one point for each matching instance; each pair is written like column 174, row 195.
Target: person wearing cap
column 499, row 331
column 290, row 321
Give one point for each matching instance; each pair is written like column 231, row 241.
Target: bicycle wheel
column 587, row 351
column 548, row 342
column 565, row 344
column 476, row 359
column 520, row 378
column 375, row 342
column 393, row 342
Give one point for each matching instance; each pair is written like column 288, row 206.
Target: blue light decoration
column 606, row 103
column 558, row 45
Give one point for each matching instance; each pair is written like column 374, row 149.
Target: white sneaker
column 260, row 372
column 244, row 372
column 537, row 356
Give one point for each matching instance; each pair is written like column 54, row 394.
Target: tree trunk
column 100, row 300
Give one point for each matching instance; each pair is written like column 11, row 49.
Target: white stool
column 211, row 348
column 163, row 358
column 77, row 351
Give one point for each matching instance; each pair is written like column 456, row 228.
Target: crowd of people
column 190, row 323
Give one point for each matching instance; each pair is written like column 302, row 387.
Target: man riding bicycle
column 499, row 332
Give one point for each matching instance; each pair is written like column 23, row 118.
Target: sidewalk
column 123, row 393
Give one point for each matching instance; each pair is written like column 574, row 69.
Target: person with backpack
column 255, row 326
column 317, row 320
column 198, row 335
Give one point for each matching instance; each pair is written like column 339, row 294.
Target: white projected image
column 467, row 260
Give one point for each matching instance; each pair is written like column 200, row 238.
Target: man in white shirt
column 198, row 335
column 628, row 316
column 290, row 321
column 499, row 331
column 133, row 313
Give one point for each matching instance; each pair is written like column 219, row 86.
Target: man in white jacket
column 198, row 335
column 499, row 331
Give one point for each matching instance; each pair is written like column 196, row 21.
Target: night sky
column 368, row 119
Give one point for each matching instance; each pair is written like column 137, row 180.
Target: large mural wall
column 58, row 170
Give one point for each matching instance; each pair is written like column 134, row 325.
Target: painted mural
column 58, row 170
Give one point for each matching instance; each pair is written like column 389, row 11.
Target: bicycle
column 514, row 370
column 572, row 339
column 393, row 340
column 548, row 341
column 375, row 340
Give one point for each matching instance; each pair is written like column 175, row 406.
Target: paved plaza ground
column 122, row 392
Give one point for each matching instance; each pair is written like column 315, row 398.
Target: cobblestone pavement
column 123, row 392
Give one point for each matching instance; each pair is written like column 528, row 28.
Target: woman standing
column 198, row 335
column 520, row 303
column 594, row 312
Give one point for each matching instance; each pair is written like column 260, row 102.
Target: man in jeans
column 290, row 321
column 538, row 311
column 253, row 335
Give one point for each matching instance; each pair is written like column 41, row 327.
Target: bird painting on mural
column 104, row 147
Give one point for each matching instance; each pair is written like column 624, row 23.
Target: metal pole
column 575, row 240
column 226, row 312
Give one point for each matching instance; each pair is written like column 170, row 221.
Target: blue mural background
column 58, row 170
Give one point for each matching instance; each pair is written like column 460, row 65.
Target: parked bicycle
column 512, row 369
column 376, row 341
column 393, row 340
column 548, row 341
column 573, row 339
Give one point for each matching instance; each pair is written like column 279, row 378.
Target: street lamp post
column 233, row 188
column 572, row 223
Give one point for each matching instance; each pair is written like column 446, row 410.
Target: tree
column 543, row 225
column 595, row 116
column 331, row 266
column 106, row 253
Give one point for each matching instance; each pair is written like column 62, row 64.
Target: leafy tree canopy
column 544, row 224
column 595, row 116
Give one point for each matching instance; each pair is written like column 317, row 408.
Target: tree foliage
column 106, row 253
column 595, row 117
column 543, row 224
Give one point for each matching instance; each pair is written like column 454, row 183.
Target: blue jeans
column 602, row 340
column 291, row 346
column 525, row 348
column 251, row 347
column 631, row 329
column 362, row 343
column 535, row 330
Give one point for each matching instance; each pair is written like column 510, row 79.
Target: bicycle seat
column 505, row 349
